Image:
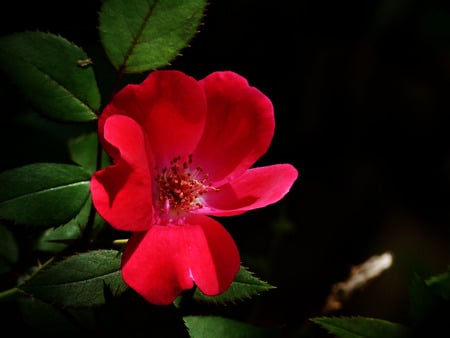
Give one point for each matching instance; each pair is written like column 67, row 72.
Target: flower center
column 180, row 186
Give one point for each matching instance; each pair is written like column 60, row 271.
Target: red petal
column 122, row 193
column 239, row 126
column 171, row 108
column 168, row 259
column 256, row 188
column 215, row 259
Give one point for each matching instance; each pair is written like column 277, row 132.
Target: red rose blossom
column 182, row 151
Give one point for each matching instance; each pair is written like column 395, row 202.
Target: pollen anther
column 180, row 188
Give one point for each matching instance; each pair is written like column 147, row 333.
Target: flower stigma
column 180, row 187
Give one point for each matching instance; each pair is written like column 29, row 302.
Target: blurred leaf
column 220, row 327
column 83, row 151
column 245, row 285
column 423, row 299
column 429, row 304
column 9, row 252
column 440, row 284
column 359, row 327
column 389, row 11
column 142, row 35
column 434, row 25
column 43, row 194
column 78, row 280
column 28, row 317
column 283, row 225
column 99, row 225
column 128, row 316
column 46, row 69
column 38, row 316
column 138, row 318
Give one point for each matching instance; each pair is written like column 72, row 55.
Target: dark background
column 362, row 106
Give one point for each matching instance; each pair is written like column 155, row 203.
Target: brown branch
column 359, row 276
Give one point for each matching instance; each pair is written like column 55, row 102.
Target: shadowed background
column 361, row 97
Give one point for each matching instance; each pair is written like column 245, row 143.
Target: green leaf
column 9, row 252
column 37, row 316
column 83, row 151
column 220, row 327
column 43, row 194
column 78, row 280
column 55, row 240
column 142, row 35
column 361, row 327
column 245, row 285
column 45, row 67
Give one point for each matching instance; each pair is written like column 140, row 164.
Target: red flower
column 181, row 152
